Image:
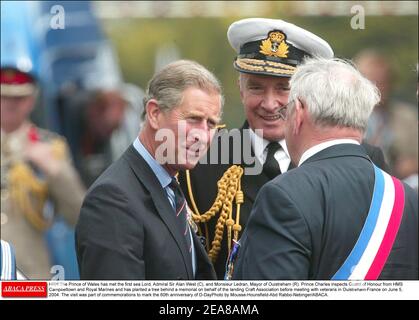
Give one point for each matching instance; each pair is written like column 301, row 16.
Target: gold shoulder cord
column 28, row 192
column 229, row 188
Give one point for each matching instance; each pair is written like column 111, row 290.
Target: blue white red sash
column 374, row 244
column 7, row 262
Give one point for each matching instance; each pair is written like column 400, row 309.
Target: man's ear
column 299, row 111
column 152, row 113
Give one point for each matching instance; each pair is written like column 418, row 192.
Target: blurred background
column 93, row 59
column 118, row 45
column 147, row 33
column 137, row 37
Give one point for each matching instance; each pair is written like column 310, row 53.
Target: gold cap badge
column 274, row 45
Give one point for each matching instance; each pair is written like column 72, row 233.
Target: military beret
column 273, row 47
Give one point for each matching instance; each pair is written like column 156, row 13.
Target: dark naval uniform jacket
column 204, row 178
column 127, row 229
column 305, row 222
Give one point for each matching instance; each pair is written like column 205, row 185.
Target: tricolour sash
column 7, row 262
column 368, row 257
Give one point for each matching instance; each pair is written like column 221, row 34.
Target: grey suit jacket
column 204, row 178
column 127, row 228
column 305, row 222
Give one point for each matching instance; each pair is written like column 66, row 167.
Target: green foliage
column 205, row 40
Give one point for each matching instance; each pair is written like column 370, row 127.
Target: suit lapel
column 164, row 209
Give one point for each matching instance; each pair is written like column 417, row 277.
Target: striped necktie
column 181, row 213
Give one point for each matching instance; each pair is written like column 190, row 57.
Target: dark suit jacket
column 127, row 228
column 305, row 222
column 204, row 179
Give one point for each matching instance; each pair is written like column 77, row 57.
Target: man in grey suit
column 134, row 222
column 321, row 220
column 265, row 68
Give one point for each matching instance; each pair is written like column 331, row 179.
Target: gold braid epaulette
column 28, row 192
column 229, row 188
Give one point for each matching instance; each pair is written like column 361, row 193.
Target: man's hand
column 42, row 156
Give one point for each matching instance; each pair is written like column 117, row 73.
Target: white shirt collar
column 321, row 146
column 259, row 145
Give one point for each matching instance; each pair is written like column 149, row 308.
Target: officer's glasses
column 283, row 112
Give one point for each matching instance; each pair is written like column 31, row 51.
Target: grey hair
column 168, row 84
column 335, row 92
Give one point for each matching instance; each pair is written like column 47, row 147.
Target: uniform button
column 4, row 218
column 179, row 278
column 203, row 242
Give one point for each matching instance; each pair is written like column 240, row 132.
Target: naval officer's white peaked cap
column 273, row 46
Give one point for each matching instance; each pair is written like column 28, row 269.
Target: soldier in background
column 37, row 177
